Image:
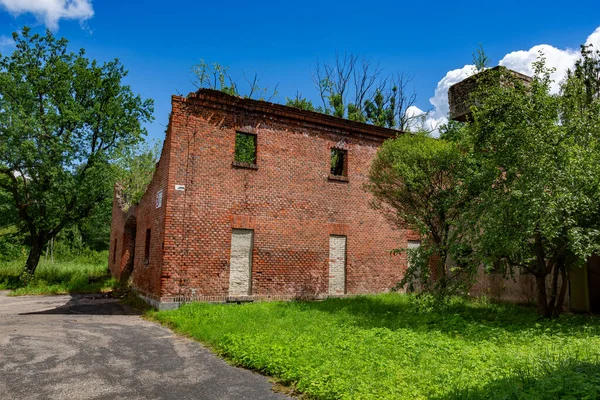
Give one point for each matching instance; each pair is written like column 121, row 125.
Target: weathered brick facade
column 288, row 199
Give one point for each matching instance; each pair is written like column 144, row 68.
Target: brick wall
column 288, row 200
column 134, row 224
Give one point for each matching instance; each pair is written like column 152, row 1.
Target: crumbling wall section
column 148, row 216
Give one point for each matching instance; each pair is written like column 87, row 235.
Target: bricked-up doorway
column 240, row 263
column 337, row 265
column 128, row 252
column 594, row 283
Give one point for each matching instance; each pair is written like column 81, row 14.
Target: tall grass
column 83, row 274
column 401, row 347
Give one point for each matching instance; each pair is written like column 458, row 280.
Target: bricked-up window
column 245, row 148
column 337, row 265
column 339, row 162
column 147, row 246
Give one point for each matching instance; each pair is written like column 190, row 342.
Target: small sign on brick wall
column 159, row 195
column 180, row 187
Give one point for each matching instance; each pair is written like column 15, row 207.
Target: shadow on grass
column 469, row 319
column 570, row 380
column 90, row 305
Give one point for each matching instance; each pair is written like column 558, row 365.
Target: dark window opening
column 115, row 251
column 245, row 148
column 147, row 247
column 339, row 162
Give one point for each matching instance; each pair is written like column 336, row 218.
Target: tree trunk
column 558, row 308
column 553, row 289
column 542, row 299
column 541, row 273
column 35, row 252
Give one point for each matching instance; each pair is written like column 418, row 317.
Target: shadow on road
column 89, row 305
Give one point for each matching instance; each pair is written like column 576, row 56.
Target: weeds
column 401, row 347
column 85, row 275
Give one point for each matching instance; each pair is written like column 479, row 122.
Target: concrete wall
column 579, row 289
column 519, row 289
column 459, row 94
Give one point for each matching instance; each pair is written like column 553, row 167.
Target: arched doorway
column 128, row 253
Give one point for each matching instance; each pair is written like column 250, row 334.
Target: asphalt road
column 89, row 347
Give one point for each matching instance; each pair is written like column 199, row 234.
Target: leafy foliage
column 480, row 59
column 300, row 103
column 338, row 162
column 63, row 119
column 400, row 347
column 216, row 76
column 69, row 273
column 352, row 87
column 533, row 162
column 582, row 84
column 134, row 170
column 414, row 182
column 245, row 148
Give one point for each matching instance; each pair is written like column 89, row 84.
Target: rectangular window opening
column 115, row 251
column 339, row 162
column 245, row 148
column 147, row 246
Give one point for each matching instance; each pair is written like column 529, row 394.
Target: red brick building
column 252, row 200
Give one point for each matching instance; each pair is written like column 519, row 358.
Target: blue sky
column 159, row 42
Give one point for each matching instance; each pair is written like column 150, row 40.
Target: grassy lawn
column 398, row 347
column 77, row 276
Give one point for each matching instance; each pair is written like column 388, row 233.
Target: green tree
column 300, row 103
column 134, row 169
column 245, row 148
column 582, row 84
column 413, row 181
column 216, row 77
column 534, row 165
column 63, row 120
column 352, row 87
column 480, row 59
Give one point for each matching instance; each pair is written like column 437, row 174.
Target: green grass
column 76, row 276
column 399, row 347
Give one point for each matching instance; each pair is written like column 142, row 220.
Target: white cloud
column 439, row 101
column 520, row 61
column 594, row 38
column 6, row 43
column 439, row 112
column 561, row 60
column 51, row 11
